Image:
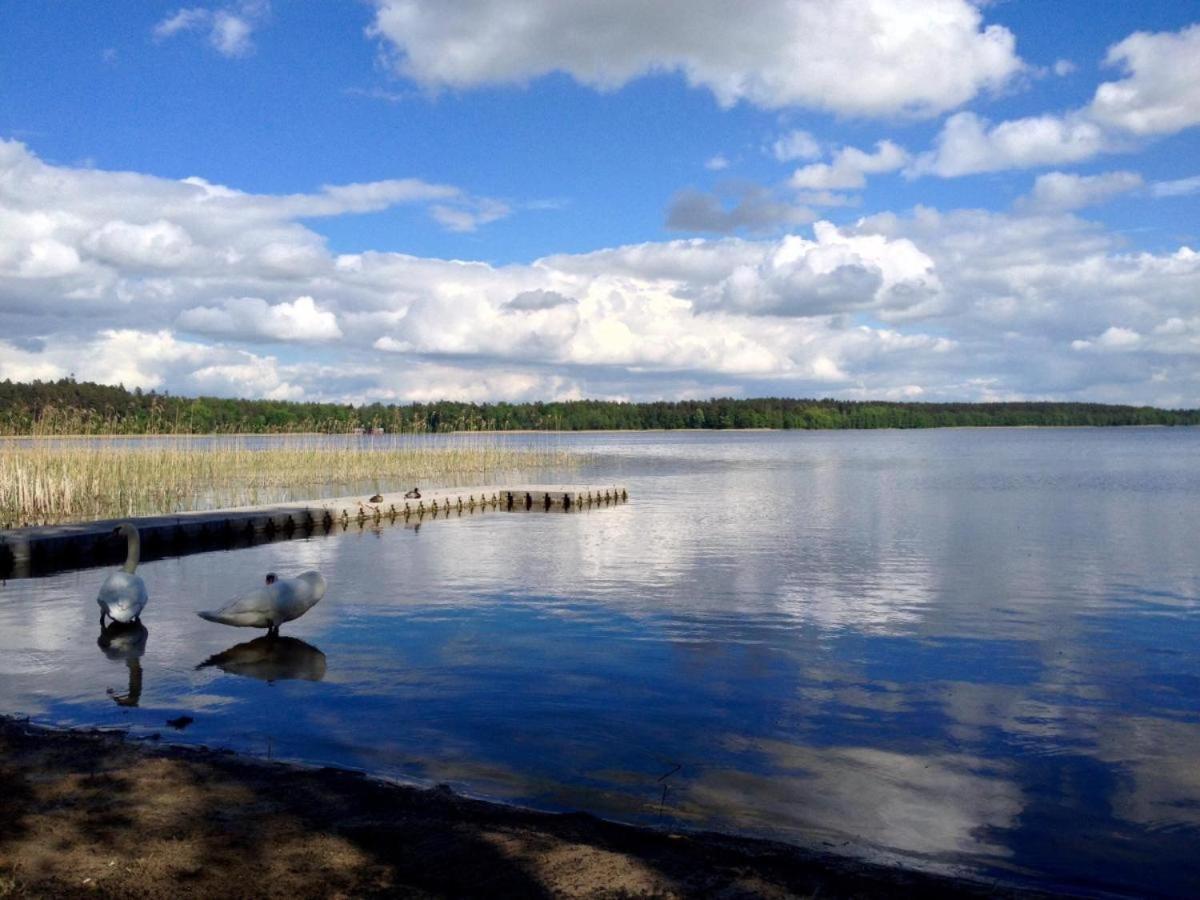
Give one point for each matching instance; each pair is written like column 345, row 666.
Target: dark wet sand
column 93, row 814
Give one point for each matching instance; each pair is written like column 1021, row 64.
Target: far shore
column 95, row 813
column 546, row 431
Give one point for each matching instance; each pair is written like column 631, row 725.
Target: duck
column 122, row 597
column 279, row 600
column 377, row 498
column 414, row 494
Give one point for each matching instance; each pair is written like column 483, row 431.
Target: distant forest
column 71, row 407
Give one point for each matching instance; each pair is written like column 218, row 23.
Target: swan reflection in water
column 271, row 659
column 125, row 642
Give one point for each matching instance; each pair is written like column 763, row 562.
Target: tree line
column 78, row 407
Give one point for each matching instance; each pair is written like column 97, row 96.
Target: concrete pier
column 26, row 552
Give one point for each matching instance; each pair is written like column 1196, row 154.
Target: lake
column 973, row 651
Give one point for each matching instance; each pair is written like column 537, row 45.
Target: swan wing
column 298, row 595
column 253, row 610
column 286, row 599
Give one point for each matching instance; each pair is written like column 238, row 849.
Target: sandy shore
column 93, row 814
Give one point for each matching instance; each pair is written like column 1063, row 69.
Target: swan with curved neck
column 279, row 601
column 122, row 597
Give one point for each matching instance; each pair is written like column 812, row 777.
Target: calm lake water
column 967, row 650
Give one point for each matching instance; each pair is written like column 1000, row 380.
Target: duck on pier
column 280, row 600
column 122, row 597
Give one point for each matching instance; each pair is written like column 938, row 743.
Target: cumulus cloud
column 850, row 167
column 229, row 30
column 823, row 54
column 796, row 144
column 128, row 356
column 103, row 273
column 1160, row 95
column 247, row 318
column 968, row 144
column 1113, row 338
column 716, row 163
column 835, row 273
column 1065, row 190
column 1023, row 290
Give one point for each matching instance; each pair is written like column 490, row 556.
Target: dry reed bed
column 49, row 480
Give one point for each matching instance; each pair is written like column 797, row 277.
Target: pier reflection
column 125, row 642
column 270, row 659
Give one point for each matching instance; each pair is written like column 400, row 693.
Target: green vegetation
column 46, row 481
column 100, row 409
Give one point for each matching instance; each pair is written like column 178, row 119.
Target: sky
column 411, row 200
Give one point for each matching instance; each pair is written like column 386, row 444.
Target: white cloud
column 850, row 167
column 1063, row 67
column 156, row 245
column 102, row 272
column 885, row 57
column 1065, row 190
column 337, row 200
column 182, row 20
column 1161, row 94
column 716, row 163
column 1021, row 290
column 229, row 29
column 968, row 144
column 255, row 377
column 835, row 273
column 113, row 356
column 470, row 215
column 230, row 34
column 796, row 144
column 1113, row 338
column 247, row 318
column 1178, row 188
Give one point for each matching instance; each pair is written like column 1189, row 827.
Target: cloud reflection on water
column 901, row 640
column 941, row 806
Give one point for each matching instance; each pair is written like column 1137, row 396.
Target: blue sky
column 543, row 199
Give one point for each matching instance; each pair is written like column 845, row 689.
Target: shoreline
column 96, row 813
column 284, row 435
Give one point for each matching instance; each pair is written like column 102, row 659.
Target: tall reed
column 49, row 477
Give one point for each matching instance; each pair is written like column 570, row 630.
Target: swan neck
column 133, row 552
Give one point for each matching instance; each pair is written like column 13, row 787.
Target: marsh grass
column 50, row 478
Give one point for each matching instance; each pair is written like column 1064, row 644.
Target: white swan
column 122, row 597
column 281, row 600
